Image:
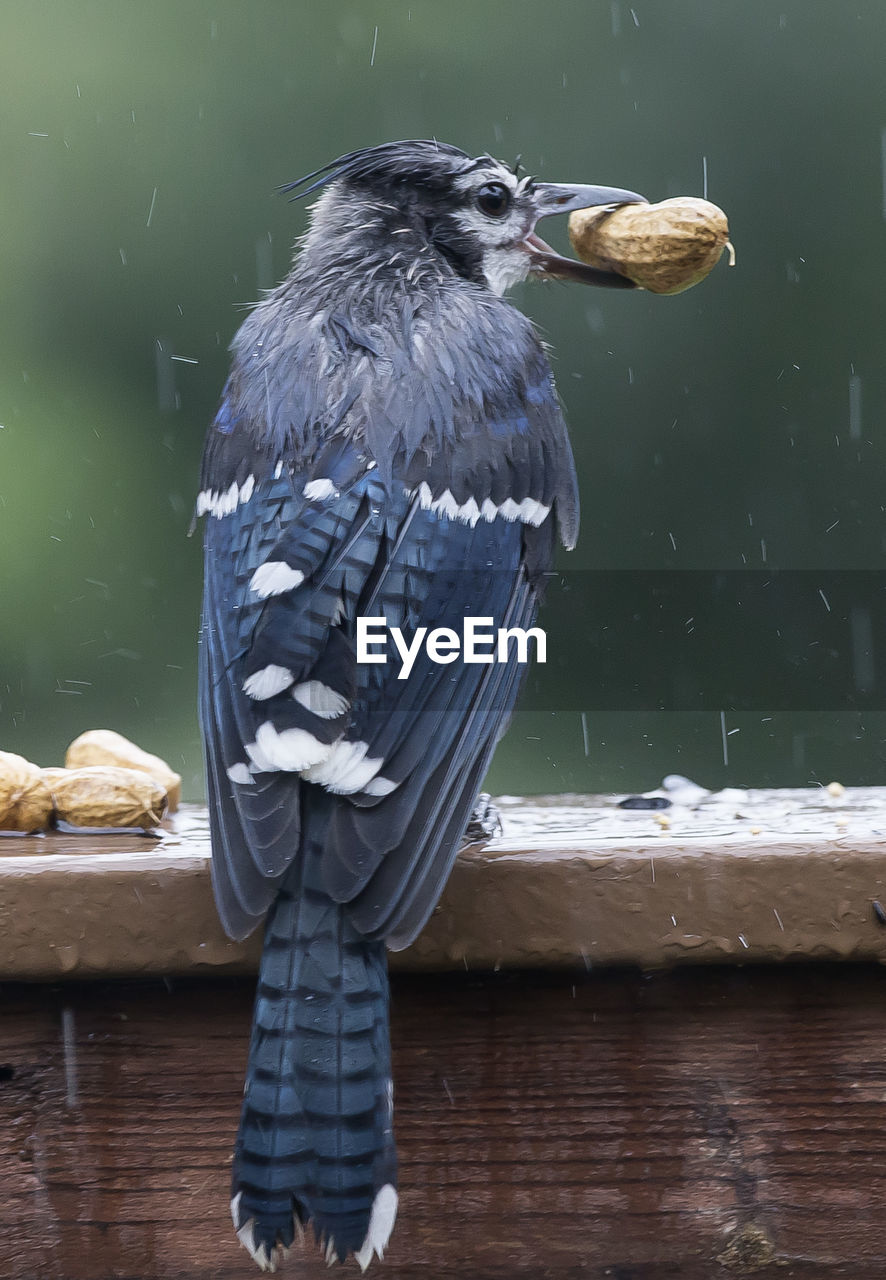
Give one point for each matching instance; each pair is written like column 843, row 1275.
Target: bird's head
column 428, row 198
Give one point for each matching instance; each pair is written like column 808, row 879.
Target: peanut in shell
column 105, row 747
column 665, row 247
column 106, row 796
column 25, row 801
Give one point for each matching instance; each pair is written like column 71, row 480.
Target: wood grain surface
column 695, row 1125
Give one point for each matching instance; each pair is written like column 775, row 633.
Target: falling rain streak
column 855, row 407
column 861, row 630
column 69, row 1043
column 167, row 396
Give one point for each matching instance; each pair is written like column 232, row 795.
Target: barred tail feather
column 315, row 1145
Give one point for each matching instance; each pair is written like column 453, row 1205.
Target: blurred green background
column 735, row 426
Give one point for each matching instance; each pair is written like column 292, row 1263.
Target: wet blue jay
column 389, row 445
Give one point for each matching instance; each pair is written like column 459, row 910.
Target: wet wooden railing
column 689, row 1123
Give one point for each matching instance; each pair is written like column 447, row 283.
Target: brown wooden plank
column 554, row 1125
column 735, row 875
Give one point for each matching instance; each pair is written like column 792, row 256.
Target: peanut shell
column 107, row 796
column 105, row 747
column 25, row 802
column 51, row 774
column 665, row 248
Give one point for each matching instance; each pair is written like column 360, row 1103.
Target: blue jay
column 389, row 445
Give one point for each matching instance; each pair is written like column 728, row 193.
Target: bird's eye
column 494, row 199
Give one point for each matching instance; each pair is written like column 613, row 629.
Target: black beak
column 555, row 197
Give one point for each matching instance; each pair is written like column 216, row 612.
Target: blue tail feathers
column 315, row 1145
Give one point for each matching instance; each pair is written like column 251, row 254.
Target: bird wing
column 296, row 552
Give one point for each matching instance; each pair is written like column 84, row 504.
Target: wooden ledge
column 732, row 876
